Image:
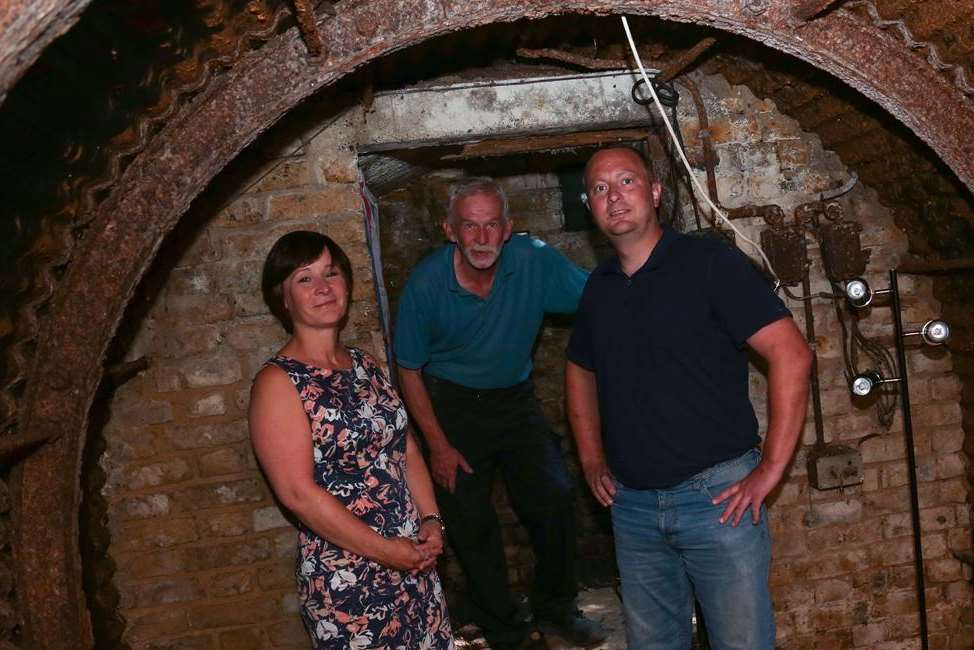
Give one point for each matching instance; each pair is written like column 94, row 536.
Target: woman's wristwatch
column 433, row 517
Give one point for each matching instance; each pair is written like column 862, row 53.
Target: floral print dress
column 358, row 425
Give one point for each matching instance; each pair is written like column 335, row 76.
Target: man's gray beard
column 480, row 266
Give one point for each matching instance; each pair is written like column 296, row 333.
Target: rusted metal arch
column 210, row 131
column 26, row 28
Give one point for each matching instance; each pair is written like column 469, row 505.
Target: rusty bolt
column 757, row 7
column 366, row 26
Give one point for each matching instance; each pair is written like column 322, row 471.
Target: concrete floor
column 600, row 604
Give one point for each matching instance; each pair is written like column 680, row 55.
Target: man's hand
column 749, row 492
column 599, row 480
column 444, row 461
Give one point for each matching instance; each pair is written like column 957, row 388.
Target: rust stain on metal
column 685, row 60
column 520, row 145
column 842, row 253
column 772, row 214
column 756, row 7
column 957, row 72
column 366, row 26
column 55, row 249
column 788, row 253
column 706, row 140
column 807, row 9
column 257, row 9
column 305, row 13
column 587, row 62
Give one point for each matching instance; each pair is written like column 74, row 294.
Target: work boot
column 575, row 628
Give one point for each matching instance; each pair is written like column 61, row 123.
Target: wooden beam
column 513, row 146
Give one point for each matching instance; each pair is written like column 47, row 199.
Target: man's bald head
column 621, row 151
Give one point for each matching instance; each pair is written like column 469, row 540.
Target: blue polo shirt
column 668, row 348
column 455, row 335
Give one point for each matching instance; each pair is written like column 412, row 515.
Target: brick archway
column 213, row 128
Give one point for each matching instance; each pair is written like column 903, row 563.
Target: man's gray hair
column 475, row 185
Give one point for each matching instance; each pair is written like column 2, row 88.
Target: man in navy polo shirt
column 468, row 319
column 657, row 391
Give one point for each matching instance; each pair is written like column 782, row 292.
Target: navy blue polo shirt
column 668, row 348
column 477, row 342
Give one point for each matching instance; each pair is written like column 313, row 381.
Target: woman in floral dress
column 330, row 434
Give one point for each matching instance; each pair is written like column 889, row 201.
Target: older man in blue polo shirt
column 468, row 319
column 657, row 390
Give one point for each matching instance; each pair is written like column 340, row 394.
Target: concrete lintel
column 503, row 108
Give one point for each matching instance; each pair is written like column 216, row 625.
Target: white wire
column 686, row 163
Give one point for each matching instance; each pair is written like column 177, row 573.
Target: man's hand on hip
column 444, row 461
column 750, row 491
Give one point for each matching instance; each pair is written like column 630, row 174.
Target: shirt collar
column 656, row 258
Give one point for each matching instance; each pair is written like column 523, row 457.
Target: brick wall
column 202, row 556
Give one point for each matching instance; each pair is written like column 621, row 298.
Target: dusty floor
column 601, row 604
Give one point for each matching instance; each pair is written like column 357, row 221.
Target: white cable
column 686, row 163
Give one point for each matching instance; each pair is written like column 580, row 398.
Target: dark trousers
column 505, row 429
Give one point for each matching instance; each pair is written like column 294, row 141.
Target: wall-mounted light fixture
column 859, row 294
column 865, row 382
column 933, row 332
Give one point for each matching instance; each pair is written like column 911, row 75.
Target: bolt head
column 862, row 385
column 857, row 290
column 935, row 332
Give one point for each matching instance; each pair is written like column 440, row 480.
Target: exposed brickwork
column 204, row 557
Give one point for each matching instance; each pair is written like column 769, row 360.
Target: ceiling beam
column 532, row 144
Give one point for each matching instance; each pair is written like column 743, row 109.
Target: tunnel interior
column 181, row 542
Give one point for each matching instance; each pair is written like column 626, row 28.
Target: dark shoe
column 574, row 628
column 533, row 641
column 519, row 635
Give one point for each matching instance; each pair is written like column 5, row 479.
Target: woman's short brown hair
column 290, row 252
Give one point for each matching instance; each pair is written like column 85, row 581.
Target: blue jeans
column 670, row 548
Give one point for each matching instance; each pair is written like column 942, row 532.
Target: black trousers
column 505, row 430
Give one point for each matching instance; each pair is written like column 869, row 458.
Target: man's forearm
column 787, row 405
column 420, row 407
column 583, row 412
column 789, row 360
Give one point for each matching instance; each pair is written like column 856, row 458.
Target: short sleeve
column 411, row 339
column 580, row 350
column 565, row 280
column 743, row 301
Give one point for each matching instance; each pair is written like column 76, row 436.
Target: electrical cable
column 669, row 96
column 821, row 294
column 882, row 360
column 686, row 163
